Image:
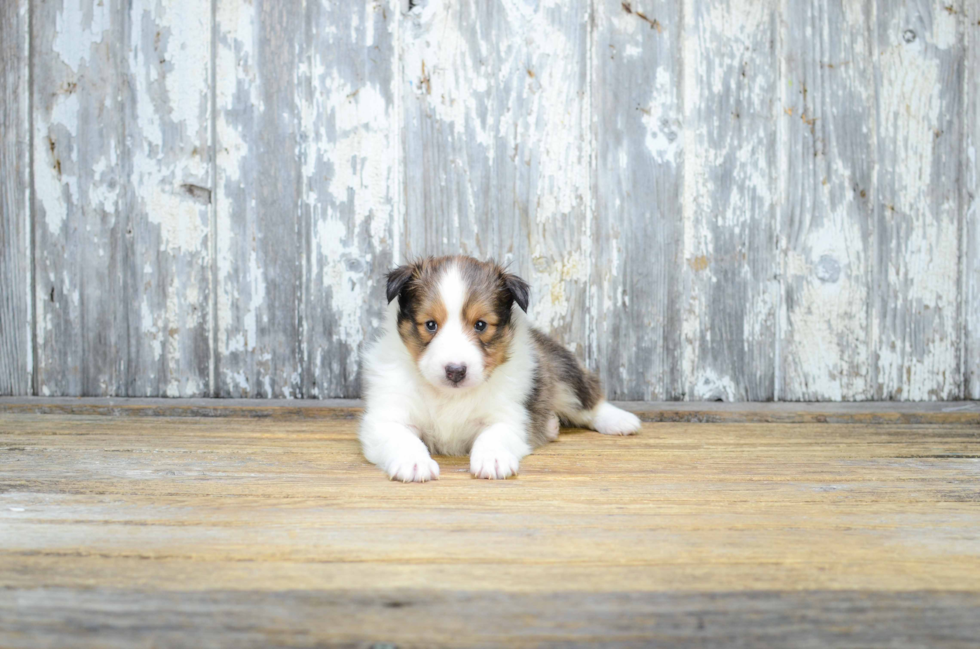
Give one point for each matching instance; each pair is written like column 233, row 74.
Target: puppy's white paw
column 493, row 463
column 610, row 420
column 413, row 467
column 554, row 427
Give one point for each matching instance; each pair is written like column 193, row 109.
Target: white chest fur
column 447, row 421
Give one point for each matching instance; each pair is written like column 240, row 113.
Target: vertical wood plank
column 827, row 199
column 306, row 184
column 448, row 79
column 729, row 202
column 121, row 167
column 260, row 233
column 347, row 81
column 970, row 203
column 496, row 145
column 541, row 159
column 919, row 84
column 636, row 99
column 16, row 321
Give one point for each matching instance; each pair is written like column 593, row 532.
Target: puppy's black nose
column 455, row 373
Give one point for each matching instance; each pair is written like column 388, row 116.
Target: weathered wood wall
column 16, row 350
column 737, row 199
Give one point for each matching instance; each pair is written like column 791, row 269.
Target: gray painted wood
column 496, row 146
column 637, row 267
column 447, row 83
column 349, row 150
column 693, row 224
column 827, row 196
column 305, row 192
column 260, row 234
column 121, row 169
column 919, row 82
column 970, row 203
column 730, row 283
column 541, row 157
column 16, row 323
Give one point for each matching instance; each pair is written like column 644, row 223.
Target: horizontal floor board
column 939, row 412
column 273, row 531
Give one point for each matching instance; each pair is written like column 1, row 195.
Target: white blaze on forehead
column 452, row 290
column 452, row 345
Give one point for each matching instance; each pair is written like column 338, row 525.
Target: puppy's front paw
column 413, row 467
column 493, row 463
column 610, row 420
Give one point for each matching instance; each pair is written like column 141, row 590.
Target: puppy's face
column 454, row 316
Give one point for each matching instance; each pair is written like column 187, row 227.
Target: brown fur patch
column 558, row 370
column 489, row 299
column 491, row 294
column 419, row 303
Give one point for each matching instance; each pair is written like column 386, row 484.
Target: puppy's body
column 458, row 369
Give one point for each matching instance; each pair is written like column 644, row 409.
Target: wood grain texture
column 347, row 80
column 307, row 160
column 496, row 145
column 637, row 264
column 827, row 201
column 16, row 318
column 729, row 202
column 787, row 412
column 970, row 203
column 424, row 618
column 919, row 81
column 121, row 168
column 541, row 157
column 447, row 80
column 244, row 531
column 261, row 236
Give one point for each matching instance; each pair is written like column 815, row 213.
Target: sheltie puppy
column 458, row 369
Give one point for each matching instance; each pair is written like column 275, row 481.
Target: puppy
column 459, row 370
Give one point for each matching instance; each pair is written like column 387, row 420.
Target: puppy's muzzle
column 455, row 373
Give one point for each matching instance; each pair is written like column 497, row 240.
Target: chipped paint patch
column 80, row 25
column 728, row 201
column 915, row 328
column 663, row 139
column 551, row 282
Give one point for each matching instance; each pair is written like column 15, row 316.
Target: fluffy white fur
column 411, row 408
column 402, row 405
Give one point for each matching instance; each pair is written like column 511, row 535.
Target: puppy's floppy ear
column 397, row 280
column 519, row 290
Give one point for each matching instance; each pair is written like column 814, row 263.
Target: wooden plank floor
column 235, row 532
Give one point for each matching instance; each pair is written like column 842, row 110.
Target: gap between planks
column 943, row 412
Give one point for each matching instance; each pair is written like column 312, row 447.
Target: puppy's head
column 454, row 316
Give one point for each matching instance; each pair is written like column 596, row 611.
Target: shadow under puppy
column 458, row 369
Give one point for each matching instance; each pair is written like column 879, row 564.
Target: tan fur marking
column 495, row 344
column 431, row 307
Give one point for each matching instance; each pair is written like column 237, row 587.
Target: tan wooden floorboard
column 122, row 531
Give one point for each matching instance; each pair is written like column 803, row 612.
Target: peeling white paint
column 916, row 335
column 344, row 286
column 550, row 284
column 910, row 104
column 54, row 184
column 511, row 85
column 663, row 139
column 78, row 26
column 710, row 386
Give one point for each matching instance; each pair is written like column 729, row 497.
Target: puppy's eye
column 431, row 326
column 480, row 325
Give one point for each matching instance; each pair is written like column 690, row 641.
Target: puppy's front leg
column 497, row 451
column 397, row 451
